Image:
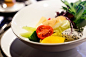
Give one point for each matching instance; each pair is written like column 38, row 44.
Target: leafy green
column 78, row 9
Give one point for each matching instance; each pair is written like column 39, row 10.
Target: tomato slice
column 44, row 31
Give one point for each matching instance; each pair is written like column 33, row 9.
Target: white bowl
column 30, row 15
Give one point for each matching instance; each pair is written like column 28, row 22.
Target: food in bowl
column 47, row 28
column 66, row 26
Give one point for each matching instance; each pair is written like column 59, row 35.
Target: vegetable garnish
column 44, row 31
column 78, row 10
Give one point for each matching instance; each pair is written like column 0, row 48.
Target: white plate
column 8, row 39
column 16, row 7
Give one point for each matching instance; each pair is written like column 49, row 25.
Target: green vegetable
column 31, row 34
column 61, row 26
column 29, row 28
column 78, row 9
column 30, row 31
column 26, row 34
column 34, row 37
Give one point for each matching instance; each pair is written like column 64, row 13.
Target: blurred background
column 8, row 8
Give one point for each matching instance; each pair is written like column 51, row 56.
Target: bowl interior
column 30, row 15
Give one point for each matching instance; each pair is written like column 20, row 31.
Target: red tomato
column 44, row 31
column 49, row 18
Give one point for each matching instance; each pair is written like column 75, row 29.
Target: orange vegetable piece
column 53, row 39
